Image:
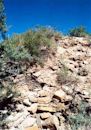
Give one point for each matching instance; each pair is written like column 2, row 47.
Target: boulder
column 61, row 95
column 45, row 115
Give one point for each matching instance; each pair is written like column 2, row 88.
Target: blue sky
column 61, row 14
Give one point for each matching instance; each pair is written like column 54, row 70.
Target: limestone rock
column 16, row 119
column 44, row 100
column 51, row 121
column 28, row 121
column 26, row 102
column 46, row 108
column 45, row 115
column 61, row 107
column 33, row 108
column 43, row 93
column 55, row 121
column 61, row 95
column 68, row 89
column 32, row 97
column 20, row 107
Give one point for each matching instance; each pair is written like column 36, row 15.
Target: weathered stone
column 67, row 89
column 55, row 121
column 26, row 102
column 28, row 121
column 44, row 100
column 45, row 115
column 61, row 107
column 62, row 119
column 46, row 109
column 16, row 119
column 60, row 50
column 43, row 93
column 61, row 95
column 32, row 97
column 33, row 108
column 20, row 107
column 51, row 121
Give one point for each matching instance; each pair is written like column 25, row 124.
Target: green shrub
column 78, row 32
column 35, row 40
column 15, row 50
column 17, row 53
column 31, row 45
column 81, row 119
column 49, row 31
column 62, row 76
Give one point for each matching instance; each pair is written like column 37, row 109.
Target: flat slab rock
column 61, row 95
column 46, row 108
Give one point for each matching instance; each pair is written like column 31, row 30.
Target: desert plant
column 39, row 40
column 17, row 53
column 49, row 31
column 35, row 40
column 10, row 61
column 65, row 77
column 78, row 32
column 31, row 45
column 80, row 119
column 14, row 49
column 62, row 76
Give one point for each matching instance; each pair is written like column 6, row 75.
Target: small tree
column 3, row 28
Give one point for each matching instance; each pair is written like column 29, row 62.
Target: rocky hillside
column 57, row 95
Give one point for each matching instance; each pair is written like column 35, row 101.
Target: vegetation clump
column 30, row 46
column 81, row 119
column 64, row 77
column 22, row 49
column 39, row 40
column 78, row 32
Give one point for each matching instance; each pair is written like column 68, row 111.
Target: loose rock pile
column 44, row 103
